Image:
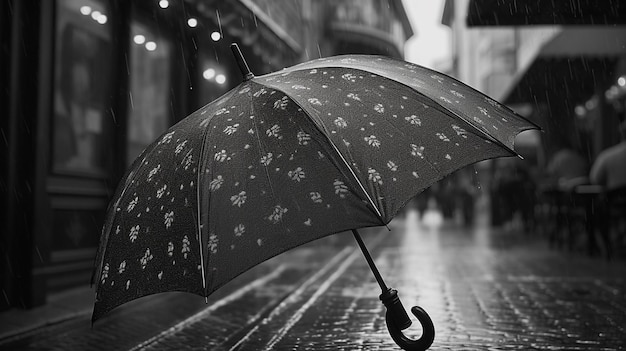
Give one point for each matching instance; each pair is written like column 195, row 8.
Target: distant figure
column 609, row 168
column 568, row 168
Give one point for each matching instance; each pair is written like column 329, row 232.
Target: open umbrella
column 326, row 146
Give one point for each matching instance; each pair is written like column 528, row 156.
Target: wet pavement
column 485, row 289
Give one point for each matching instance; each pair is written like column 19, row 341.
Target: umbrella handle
column 397, row 320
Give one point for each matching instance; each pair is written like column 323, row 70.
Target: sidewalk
column 484, row 289
column 59, row 307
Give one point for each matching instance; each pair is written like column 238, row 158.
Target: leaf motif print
column 170, row 249
column 153, row 172
column 297, row 174
column 180, row 147
column 132, row 204
column 340, row 122
column 267, row 159
column 379, row 108
column 134, row 232
column 186, row 248
column 240, row 229
column 273, row 131
column 413, row 119
column 239, row 199
column 213, row 242
column 161, row 191
column 417, row 151
column 220, row 156
column 460, row 131
column 478, row 120
column 372, row 141
column 147, row 257
column 168, row 218
column 187, row 161
column 303, row 138
column 316, row 197
column 437, row 78
column 483, row 111
column 277, row 214
column 442, row 137
column 354, row 96
column 282, row 103
column 260, row 92
column 299, row 87
column 374, row 176
column 222, row 111
column 457, row 94
column 216, row 183
column 315, row 101
column 349, row 77
column 340, row 188
column 445, row 99
column 122, row 267
column 392, row 166
column 166, row 138
column 105, row 274
column 230, row 130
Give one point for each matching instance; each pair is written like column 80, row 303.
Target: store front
column 89, row 84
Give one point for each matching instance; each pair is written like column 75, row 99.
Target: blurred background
column 87, row 84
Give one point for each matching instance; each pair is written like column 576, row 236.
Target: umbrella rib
column 199, row 212
column 322, row 132
column 435, row 102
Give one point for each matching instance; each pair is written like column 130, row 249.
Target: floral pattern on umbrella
column 283, row 159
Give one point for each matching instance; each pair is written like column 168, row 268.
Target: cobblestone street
column 485, row 289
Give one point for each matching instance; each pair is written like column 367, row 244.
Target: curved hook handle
column 398, row 320
column 428, row 331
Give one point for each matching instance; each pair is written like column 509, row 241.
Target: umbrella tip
column 241, row 62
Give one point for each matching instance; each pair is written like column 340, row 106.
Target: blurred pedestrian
column 567, row 169
column 609, row 168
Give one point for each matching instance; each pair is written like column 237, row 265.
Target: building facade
column 87, row 84
column 553, row 63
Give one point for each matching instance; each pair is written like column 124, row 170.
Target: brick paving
column 485, row 289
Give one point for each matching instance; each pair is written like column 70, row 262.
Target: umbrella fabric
column 283, row 159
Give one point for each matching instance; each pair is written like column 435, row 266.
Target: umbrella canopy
column 282, row 159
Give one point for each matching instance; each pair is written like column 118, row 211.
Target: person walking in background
column 568, row 168
column 609, row 168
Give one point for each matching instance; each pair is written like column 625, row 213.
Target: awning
column 575, row 61
column 545, row 12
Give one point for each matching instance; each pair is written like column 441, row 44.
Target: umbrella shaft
column 370, row 261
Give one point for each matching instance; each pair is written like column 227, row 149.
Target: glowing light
column 95, row 15
column 208, row 73
column 139, row 39
column 164, row 4
column 192, row 22
column 621, row 81
column 85, row 10
column 220, row 79
column 151, row 46
column 216, row 36
column 102, row 19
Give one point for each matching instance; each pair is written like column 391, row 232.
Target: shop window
column 150, row 87
column 82, row 123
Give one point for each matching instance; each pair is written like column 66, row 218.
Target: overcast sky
column 431, row 42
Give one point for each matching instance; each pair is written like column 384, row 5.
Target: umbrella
column 326, row 146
